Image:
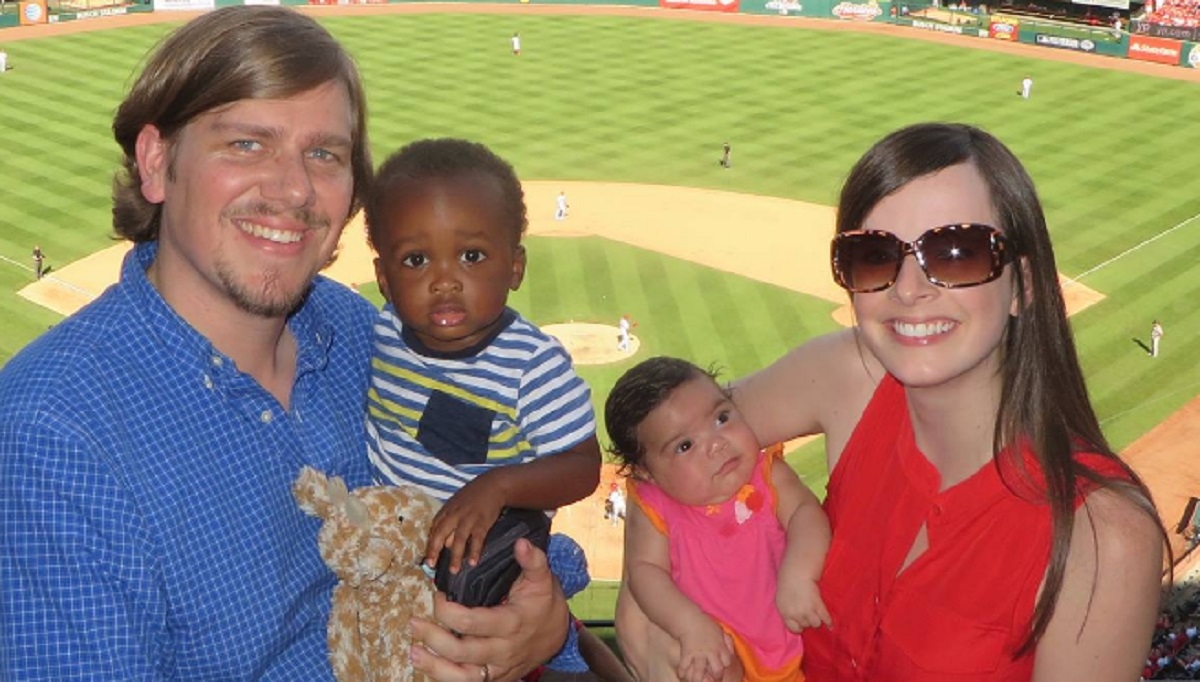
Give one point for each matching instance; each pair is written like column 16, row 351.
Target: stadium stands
column 1175, row 649
column 1182, row 13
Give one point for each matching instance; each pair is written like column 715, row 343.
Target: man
column 148, row 443
column 39, row 262
column 561, row 207
column 624, row 325
column 1156, row 334
column 1026, row 87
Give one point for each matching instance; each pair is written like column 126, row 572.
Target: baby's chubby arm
column 705, row 651
column 547, row 482
column 808, row 534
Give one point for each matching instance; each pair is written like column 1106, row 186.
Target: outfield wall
column 1146, row 42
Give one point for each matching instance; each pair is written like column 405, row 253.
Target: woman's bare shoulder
column 819, row 386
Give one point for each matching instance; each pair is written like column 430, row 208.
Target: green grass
column 651, row 100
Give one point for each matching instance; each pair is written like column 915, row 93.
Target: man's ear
column 153, row 159
column 1027, row 281
column 518, row 271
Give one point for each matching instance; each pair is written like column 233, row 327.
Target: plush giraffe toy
column 373, row 539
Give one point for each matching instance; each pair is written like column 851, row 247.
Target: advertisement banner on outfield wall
column 1004, row 29
column 704, row 5
column 783, row 8
column 1193, row 55
column 1146, row 28
column 33, row 12
column 184, row 5
column 856, row 11
column 1159, row 50
column 1064, row 42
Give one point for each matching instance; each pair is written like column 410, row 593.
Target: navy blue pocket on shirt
column 455, row 431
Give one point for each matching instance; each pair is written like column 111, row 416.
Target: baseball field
column 626, row 111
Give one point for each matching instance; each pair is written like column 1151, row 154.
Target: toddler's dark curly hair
column 443, row 158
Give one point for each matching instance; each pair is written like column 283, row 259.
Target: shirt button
column 854, row 663
column 217, row 361
column 208, row 382
column 937, row 510
column 877, row 600
column 265, row 416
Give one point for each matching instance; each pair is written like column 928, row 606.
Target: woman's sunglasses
column 952, row 256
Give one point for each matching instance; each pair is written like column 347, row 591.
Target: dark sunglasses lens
column 959, row 256
column 868, row 262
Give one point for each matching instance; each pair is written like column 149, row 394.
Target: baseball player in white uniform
column 623, row 328
column 562, row 208
column 1026, row 87
column 516, row 44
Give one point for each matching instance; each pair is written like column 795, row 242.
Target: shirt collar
column 312, row 332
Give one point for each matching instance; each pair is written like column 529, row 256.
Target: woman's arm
column 1106, row 610
column 808, row 535
column 602, row 661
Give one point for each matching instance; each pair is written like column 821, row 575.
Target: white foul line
column 1128, row 251
column 50, row 277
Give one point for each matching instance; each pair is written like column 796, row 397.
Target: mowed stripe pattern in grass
column 651, row 100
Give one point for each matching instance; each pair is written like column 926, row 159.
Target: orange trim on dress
column 752, row 670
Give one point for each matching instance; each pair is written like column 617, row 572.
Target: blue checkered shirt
column 147, row 525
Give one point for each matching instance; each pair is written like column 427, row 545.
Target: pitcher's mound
column 592, row 344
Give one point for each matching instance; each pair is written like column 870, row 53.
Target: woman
column 983, row 529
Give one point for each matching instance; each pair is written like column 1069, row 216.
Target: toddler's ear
column 381, row 279
column 518, row 273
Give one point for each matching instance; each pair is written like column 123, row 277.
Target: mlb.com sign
column 1150, row 49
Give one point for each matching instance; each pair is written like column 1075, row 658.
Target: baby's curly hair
column 638, row 393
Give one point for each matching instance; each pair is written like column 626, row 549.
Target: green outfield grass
column 649, row 100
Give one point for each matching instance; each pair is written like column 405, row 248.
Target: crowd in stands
column 1175, row 649
column 1174, row 13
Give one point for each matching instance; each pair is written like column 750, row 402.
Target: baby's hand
column 463, row 523
column 799, row 602
column 705, row 652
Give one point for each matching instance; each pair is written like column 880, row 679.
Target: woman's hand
column 497, row 644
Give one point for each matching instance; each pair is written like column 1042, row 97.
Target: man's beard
column 271, row 300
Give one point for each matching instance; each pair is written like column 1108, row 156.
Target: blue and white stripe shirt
column 147, row 525
column 438, row 420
